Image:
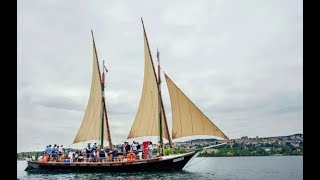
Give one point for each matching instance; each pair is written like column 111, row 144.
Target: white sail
column 90, row 128
column 146, row 122
column 187, row 119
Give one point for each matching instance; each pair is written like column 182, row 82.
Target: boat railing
column 88, row 157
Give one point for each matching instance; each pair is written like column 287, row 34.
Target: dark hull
column 172, row 164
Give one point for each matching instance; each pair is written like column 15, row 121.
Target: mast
column 164, row 113
column 159, row 103
column 104, row 111
column 102, row 99
column 92, row 127
column 165, row 119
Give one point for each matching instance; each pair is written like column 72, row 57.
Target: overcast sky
column 240, row 62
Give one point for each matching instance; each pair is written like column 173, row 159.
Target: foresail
column 187, row 119
column 91, row 124
column 147, row 117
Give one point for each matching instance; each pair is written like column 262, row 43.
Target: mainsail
column 147, row 117
column 187, row 119
column 90, row 128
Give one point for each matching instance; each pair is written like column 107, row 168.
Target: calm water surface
column 271, row 167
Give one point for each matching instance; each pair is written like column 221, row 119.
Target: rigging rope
column 208, row 147
column 196, row 162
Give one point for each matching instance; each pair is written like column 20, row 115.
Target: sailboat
column 150, row 120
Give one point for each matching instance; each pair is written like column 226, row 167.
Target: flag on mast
column 158, row 57
column 103, row 78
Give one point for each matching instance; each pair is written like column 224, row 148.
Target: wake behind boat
column 150, row 120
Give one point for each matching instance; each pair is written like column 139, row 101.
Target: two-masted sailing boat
column 150, row 120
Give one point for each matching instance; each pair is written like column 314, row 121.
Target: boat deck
column 111, row 163
column 98, row 163
column 171, row 162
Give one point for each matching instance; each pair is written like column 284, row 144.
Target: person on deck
column 150, row 149
column 54, row 154
column 76, row 156
column 92, row 153
column 159, row 149
column 134, row 147
column 139, row 150
column 61, row 150
column 127, row 147
column 138, row 146
column 102, row 155
column 48, row 150
column 71, row 154
column 96, row 154
column 80, row 156
column 54, row 148
column 57, row 152
column 88, row 151
column 123, row 148
column 94, row 145
column 114, row 154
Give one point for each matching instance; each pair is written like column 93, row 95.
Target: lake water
column 264, row 168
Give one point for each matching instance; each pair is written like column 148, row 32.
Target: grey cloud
column 61, row 102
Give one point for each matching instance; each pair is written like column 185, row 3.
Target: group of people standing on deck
column 136, row 148
column 54, row 151
column 96, row 153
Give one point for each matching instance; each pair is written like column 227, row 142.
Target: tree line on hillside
column 241, row 149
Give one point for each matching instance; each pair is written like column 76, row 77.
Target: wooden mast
column 104, row 112
column 165, row 119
